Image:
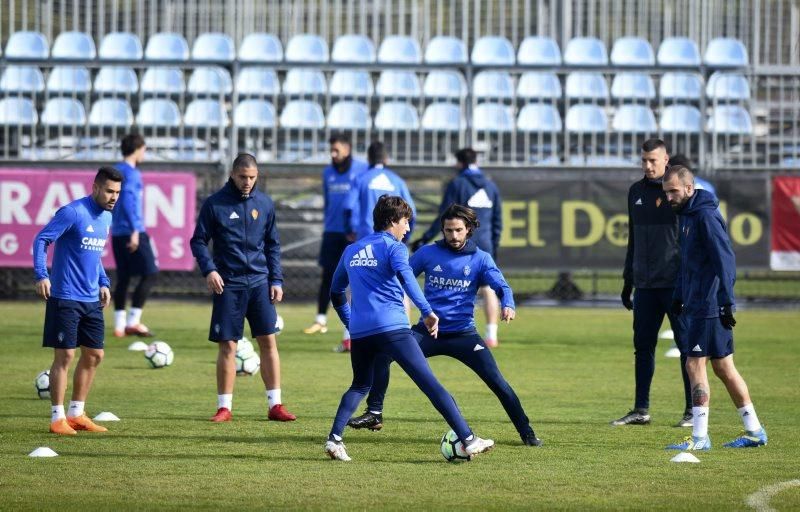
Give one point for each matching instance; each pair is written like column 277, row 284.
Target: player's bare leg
column 81, row 384
column 226, row 377
column 754, row 433
column 701, row 397
column 491, row 306
column 62, row 358
column 271, row 375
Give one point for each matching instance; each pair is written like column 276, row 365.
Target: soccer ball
column 452, row 448
column 279, row 324
column 247, row 364
column 159, row 354
column 244, row 348
column 42, row 383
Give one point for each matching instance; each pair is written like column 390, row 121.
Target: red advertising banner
column 785, row 250
column 30, row 197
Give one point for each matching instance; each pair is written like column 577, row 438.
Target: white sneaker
column 336, row 451
column 478, row 445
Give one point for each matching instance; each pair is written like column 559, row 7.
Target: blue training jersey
column 452, row 279
column 336, row 188
column 128, row 213
column 80, row 230
column 376, row 268
column 368, row 187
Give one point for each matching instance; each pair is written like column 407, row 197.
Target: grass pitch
column 573, row 371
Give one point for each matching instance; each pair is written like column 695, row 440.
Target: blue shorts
column 232, row 306
column 141, row 262
column 70, row 323
column 706, row 337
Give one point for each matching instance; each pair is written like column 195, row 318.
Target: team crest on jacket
column 254, row 213
column 658, row 202
column 467, row 270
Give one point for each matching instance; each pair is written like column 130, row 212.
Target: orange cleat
column 62, row 428
column 279, row 413
column 138, row 330
column 83, row 422
column 315, row 328
column 223, row 414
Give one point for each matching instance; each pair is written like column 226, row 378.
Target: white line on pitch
column 759, row 500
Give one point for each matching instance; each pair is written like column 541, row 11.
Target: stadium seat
column 351, row 83
column 302, row 114
column 121, row 46
column 213, row 46
column 492, row 117
column 27, row 45
column 210, row 80
column 727, row 87
column 586, row 119
column 116, row 80
column 446, row 50
column 445, row 84
column 633, row 86
column 681, row 119
column 493, row 50
column 255, row 114
column 444, row 117
column 678, row 51
column 585, row 51
column 63, row 112
column 307, row 48
column 304, row 82
column 259, row 47
column 537, row 117
column 396, row 115
column 353, row 48
column 634, row 119
column 349, row 115
column 111, row 112
column 398, row 84
column 22, row 79
column 17, row 112
column 167, row 46
column 725, row 52
column 163, row 80
column 539, row 51
column 680, row 86
column 730, row 120
column 206, row 113
column 158, row 113
column 632, row 51
column 399, row 50
column 69, row 80
column 257, row 81
column 586, row 85
column 492, row 84
column 539, row 85
column 73, row 45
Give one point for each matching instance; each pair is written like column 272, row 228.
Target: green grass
column 571, row 368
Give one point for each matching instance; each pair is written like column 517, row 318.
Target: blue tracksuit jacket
column 336, row 188
column 367, row 188
column 128, row 213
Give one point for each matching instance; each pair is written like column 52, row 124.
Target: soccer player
column 337, row 182
column 376, row 268
column 471, row 188
column 454, row 270
column 131, row 245
column 699, row 183
column 76, row 296
column 704, row 297
column 245, row 279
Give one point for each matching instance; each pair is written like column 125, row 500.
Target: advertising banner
column 785, row 250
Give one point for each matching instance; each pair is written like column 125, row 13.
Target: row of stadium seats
column 261, row 81
column 359, row 49
column 393, row 116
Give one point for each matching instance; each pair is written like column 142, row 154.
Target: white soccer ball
column 245, row 348
column 279, row 325
column 42, row 383
column 452, row 448
column 248, row 365
column 159, row 354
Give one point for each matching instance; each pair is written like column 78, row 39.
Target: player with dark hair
column 76, row 297
column 130, row 242
column 454, row 270
column 245, row 279
column 377, row 271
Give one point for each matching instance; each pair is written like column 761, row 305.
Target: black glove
column 415, row 245
column 626, row 296
column 677, row 307
column 726, row 316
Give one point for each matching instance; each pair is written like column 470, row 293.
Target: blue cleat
column 691, row 443
column 749, row 440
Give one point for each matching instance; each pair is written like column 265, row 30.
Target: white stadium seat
column 727, row 86
column 111, row 112
column 633, row 86
column 351, row 83
column 632, row 51
column 307, row 48
column 206, row 114
column 260, row 47
column 210, row 80
column 63, row 112
column 27, row 45
column 493, row 84
column 349, row 115
column 446, row 50
column 158, row 113
column 255, row 114
column 586, row 119
column 678, row 51
column 17, row 112
column 396, row 115
column 538, row 117
column 73, row 45
column 681, row 119
column 121, row 46
column 167, row 46
column 116, row 80
column 539, row 85
column 398, row 84
column 634, row 119
column 586, row 85
column 22, row 79
column 730, row 120
column 163, row 80
column 445, row 117
column 302, row 114
column 304, row 82
column 353, row 48
column 69, row 80
column 585, row 51
column 399, row 50
column 257, row 81
column 539, row 51
column 680, row 86
column 492, row 117
column 725, row 52
column 445, row 84
column 493, row 50
column 213, row 46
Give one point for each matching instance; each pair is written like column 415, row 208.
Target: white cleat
column 336, row 451
column 477, row 446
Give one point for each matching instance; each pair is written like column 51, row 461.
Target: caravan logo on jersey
column 364, row 258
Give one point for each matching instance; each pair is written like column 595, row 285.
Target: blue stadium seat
column 492, row 118
column 398, row 84
column 399, row 50
column 304, row 82
column 302, row 114
column 116, row 80
column 163, row 80
column 73, row 45
column 206, row 113
column 678, row 51
column 443, row 117
column 27, row 45
column 446, row 50
column 681, row 119
column 730, row 120
column 349, row 115
column 680, row 86
column 396, row 115
column 257, row 81
column 69, row 80
column 121, row 46
column 17, row 112
column 725, row 52
column 493, row 50
column 111, row 113
column 351, row 83
column 586, row 119
column 539, row 51
column 634, row 119
column 22, row 79
column 539, row 85
column 632, row 51
column 260, row 47
column 586, row 85
column 213, row 46
column 727, row 87
column 585, row 51
column 539, row 118
column 166, row 46
column 255, row 114
column 158, row 113
column 307, row 48
column 353, row 48
column 445, row 84
column 493, row 84
column 633, row 86
column 63, row 112
column 210, row 80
